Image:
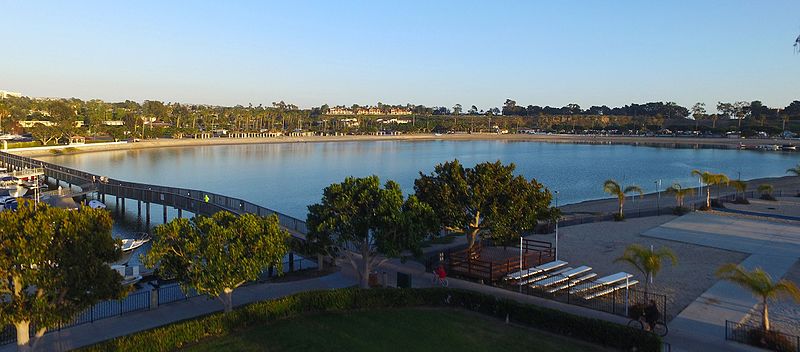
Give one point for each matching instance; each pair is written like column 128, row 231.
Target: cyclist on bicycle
column 651, row 314
column 440, row 272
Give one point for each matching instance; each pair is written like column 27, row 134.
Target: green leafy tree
column 53, row 266
column 45, row 134
column 794, row 171
column 680, row 193
column 710, row 179
column 613, row 188
column 647, row 261
column 698, row 112
column 215, row 255
column 486, row 200
column 761, row 285
column 358, row 215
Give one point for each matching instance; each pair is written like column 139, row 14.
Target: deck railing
column 192, row 200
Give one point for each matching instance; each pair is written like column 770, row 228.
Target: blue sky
column 425, row 52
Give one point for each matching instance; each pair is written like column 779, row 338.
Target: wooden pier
column 183, row 200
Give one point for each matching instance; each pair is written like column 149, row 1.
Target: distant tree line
column 129, row 119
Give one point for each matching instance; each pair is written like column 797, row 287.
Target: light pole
column 658, row 200
column 556, row 193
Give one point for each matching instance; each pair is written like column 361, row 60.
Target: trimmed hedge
column 178, row 335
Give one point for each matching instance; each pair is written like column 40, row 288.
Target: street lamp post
column 556, row 194
column 658, row 200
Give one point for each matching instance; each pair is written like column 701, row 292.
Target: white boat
column 788, row 147
column 96, row 204
column 131, row 244
column 12, row 186
column 130, row 274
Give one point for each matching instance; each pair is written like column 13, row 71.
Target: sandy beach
column 598, row 244
column 635, row 140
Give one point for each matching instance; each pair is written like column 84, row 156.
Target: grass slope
column 393, row 330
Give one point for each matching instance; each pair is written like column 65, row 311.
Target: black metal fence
column 754, row 335
column 173, row 293
column 132, row 303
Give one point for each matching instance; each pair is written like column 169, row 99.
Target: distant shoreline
column 632, row 140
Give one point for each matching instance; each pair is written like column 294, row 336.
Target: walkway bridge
column 195, row 201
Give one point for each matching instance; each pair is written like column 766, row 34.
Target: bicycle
column 659, row 329
column 437, row 281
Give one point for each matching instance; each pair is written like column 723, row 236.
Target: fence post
column 154, row 298
column 614, row 303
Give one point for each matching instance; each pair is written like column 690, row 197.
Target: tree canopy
column 53, row 264
column 486, row 200
column 361, row 216
column 215, row 255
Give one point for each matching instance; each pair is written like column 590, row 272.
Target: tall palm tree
column 794, row 171
column 613, row 188
column 646, row 260
column 760, row 284
column 711, row 179
column 680, row 193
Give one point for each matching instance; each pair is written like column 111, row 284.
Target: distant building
column 398, row 121
column 5, row 94
column 372, row 110
column 351, row 122
column 114, row 123
column 396, row 111
column 31, row 123
column 339, row 111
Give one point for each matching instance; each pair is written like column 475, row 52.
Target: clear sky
column 424, row 52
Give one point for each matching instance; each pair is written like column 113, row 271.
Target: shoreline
column 693, row 142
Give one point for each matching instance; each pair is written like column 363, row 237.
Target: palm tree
column 613, row 188
column 760, row 284
column 794, row 171
column 740, row 187
column 646, row 260
column 710, row 179
column 766, row 191
column 680, row 193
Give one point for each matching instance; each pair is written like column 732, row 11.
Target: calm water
column 288, row 177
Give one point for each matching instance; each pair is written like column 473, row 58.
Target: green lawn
column 393, row 330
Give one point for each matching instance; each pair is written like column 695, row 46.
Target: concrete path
column 775, row 247
column 101, row 330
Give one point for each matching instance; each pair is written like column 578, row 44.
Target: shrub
column 680, row 210
column 740, row 200
column 717, row 203
column 56, row 151
column 767, row 196
column 771, row 340
column 178, row 335
column 619, row 217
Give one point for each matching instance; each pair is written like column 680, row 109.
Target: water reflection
column 289, row 176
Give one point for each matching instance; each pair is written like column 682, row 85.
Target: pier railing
column 192, row 200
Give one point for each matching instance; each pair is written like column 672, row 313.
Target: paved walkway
column 101, row 330
column 774, row 247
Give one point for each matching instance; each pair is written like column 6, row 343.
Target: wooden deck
column 491, row 264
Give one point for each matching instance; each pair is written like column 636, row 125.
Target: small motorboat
column 131, row 244
column 96, row 204
column 789, row 147
column 130, row 274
